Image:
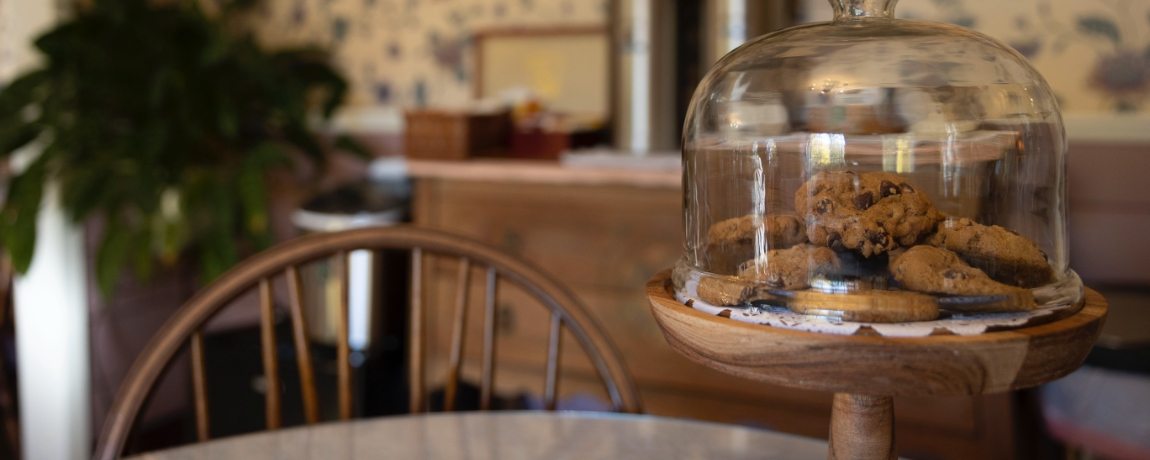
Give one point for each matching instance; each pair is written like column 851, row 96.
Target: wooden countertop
column 547, row 172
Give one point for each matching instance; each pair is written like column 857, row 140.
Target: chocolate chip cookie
column 732, row 241
column 877, row 306
column 939, row 271
column 790, row 268
column 724, row 291
column 1004, row 255
column 870, row 212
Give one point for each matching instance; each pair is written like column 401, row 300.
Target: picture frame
column 569, row 68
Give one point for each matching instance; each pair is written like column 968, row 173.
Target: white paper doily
column 959, row 324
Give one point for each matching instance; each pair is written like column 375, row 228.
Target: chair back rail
column 258, row 272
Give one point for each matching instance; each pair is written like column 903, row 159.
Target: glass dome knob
column 846, row 10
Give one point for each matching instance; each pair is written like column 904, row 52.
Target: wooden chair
column 259, row 272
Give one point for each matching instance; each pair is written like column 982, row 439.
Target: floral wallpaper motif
column 412, row 52
column 1095, row 54
column 6, row 64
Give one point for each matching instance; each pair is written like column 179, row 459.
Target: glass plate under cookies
column 824, row 313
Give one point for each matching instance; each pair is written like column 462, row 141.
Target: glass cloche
column 875, row 169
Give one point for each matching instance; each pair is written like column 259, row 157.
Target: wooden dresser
column 603, row 233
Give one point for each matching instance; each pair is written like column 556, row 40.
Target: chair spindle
column 272, row 403
column 415, row 378
column 487, row 380
column 554, row 339
column 303, row 351
column 343, row 349
column 457, row 333
column 199, row 386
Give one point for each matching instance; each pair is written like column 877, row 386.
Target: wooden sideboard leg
column 862, row 427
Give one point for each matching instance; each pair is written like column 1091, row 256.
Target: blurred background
column 549, row 128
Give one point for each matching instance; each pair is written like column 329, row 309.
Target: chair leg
column 8, row 412
column 8, row 422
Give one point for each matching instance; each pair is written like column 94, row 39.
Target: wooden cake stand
column 865, row 372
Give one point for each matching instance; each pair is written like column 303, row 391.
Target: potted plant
column 161, row 120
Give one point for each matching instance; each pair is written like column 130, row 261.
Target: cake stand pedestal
column 866, row 371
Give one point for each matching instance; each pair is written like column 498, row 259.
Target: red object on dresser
column 549, row 145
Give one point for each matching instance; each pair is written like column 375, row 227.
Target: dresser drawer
column 608, row 236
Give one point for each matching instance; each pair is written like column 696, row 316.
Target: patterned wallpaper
column 1095, row 54
column 7, row 66
column 411, row 52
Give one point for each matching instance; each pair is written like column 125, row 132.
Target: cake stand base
column 862, row 427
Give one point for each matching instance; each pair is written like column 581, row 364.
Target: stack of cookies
column 871, row 234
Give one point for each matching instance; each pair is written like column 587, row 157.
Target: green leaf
column 228, row 119
column 20, row 213
column 219, row 255
column 253, row 192
column 1099, row 26
column 17, row 135
column 217, row 50
column 237, row 6
column 142, row 260
column 158, row 88
column 211, row 265
column 169, row 237
column 25, row 90
column 113, row 253
column 349, row 144
column 300, row 137
column 222, row 236
column 310, row 66
column 83, row 191
column 168, row 229
column 268, row 155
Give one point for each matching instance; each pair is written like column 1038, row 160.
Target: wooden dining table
column 508, row 435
